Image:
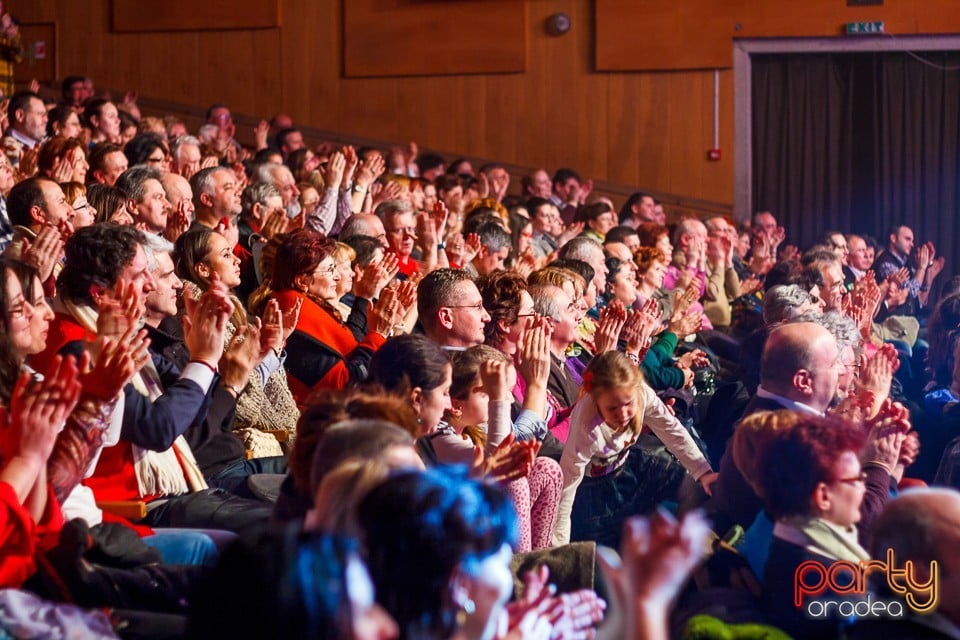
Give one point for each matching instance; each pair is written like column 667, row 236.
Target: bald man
column 618, row 250
column 364, row 224
column 921, row 526
column 800, row 371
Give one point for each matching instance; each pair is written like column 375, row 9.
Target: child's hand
column 493, row 377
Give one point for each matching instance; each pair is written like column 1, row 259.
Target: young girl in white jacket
column 606, row 477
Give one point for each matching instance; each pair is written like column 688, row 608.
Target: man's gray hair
column 257, row 193
column 202, row 182
column 152, row 245
column 389, row 208
column 179, row 143
column 133, row 181
column 268, row 172
column 783, row 302
column 545, row 300
column 580, row 248
column 842, row 327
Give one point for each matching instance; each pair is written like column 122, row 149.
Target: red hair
column 299, row 254
column 792, row 462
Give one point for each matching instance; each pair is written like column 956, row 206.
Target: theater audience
column 417, row 310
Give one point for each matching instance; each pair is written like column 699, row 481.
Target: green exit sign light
column 857, row 28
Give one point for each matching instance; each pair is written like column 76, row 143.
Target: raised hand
column 923, row 256
column 511, row 460
column 290, row 319
column 44, row 252
column 371, row 170
column 272, row 333
column 471, row 247
column 61, row 171
column 39, row 409
column 118, row 311
column 657, row 556
column 28, row 161
column 876, row 374
column 695, row 359
column 240, row 357
column 275, row 224
column 494, row 376
column 612, row 319
column 683, row 300
column 640, row 327
column 116, row 362
column 333, row 174
column 386, row 313
column 539, row 612
column 177, row 222
column 351, row 163
column 260, row 134
column 389, row 191
column 483, row 185
column 439, row 217
column 205, row 323
column 407, row 295
column 571, row 232
column 526, row 263
column 534, row 354
column 376, row 276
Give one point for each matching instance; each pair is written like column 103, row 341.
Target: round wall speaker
column 558, row 24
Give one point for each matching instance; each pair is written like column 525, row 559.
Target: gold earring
column 466, row 610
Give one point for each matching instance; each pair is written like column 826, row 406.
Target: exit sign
column 855, row 28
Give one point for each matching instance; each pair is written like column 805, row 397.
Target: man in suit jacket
column 799, row 371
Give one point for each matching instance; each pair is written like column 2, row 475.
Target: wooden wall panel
column 42, row 69
column 194, row 15
column 647, row 130
column 698, row 34
column 425, row 37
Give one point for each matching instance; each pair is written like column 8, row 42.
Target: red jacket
column 323, row 353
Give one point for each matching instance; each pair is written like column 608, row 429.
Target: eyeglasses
column 404, row 231
column 532, row 314
column 328, row 271
column 862, row 477
column 476, row 307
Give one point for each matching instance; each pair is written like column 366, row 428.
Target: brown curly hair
column 645, row 257
column 501, row 292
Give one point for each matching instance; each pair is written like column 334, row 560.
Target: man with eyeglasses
column 401, row 229
column 800, row 370
column 451, row 309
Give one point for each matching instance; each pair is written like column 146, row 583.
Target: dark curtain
column 859, row 142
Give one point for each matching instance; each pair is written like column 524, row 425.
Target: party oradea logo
column 841, row 589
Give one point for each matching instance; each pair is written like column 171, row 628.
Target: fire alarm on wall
column 713, row 155
column 558, row 24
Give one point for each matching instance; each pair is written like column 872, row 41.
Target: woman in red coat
column 327, row 351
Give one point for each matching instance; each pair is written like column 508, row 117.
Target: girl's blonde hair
column 614, row 370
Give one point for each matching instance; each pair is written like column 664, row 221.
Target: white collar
column 785, row 402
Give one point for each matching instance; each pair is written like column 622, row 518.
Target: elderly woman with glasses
column 806, row 468
column 325, row 350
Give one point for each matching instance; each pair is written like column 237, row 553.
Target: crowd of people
column 309, row 391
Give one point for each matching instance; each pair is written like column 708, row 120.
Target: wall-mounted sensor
column 558, row 24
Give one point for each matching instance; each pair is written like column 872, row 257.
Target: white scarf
column 170, row 472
